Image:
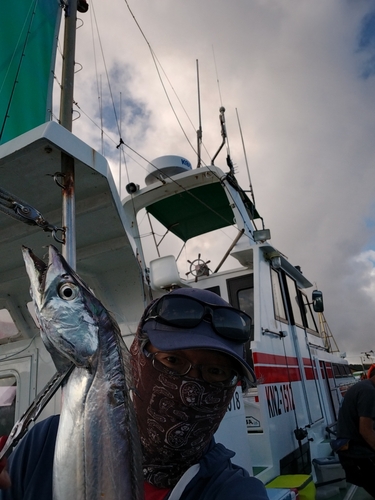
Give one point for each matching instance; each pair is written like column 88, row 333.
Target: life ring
column 370, row 370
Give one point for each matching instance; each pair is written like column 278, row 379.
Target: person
column 187, row 360
column 356, row 434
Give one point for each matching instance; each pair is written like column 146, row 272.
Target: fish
column 98, row 452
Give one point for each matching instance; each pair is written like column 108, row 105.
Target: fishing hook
column 55, row 178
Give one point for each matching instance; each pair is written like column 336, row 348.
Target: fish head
column 68, row 312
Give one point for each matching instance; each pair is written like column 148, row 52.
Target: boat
column 283, row 425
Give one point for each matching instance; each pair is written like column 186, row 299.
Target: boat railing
column 331, row 430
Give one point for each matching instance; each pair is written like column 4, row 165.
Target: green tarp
column 197, row 211
column 28, row 40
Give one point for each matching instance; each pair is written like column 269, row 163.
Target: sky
column 301, row 75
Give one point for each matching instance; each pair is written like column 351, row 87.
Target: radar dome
column 166, row 166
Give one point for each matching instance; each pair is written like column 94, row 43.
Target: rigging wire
column 100, row 93
column 98, row 84
column 170, row 178
column 157, row 68
column 120, row 152
column 217, row 77
column 106, row 70
column 229, row 223
column 173, row 180
column 150, row 162
column 15, row 49
column 246, row 162
column 157, row 65
column 156, row 62
column 198, row 200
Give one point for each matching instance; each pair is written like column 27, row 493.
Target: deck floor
column 361, row 494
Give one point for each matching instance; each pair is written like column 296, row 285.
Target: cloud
column 300, row 76
column 366, row 44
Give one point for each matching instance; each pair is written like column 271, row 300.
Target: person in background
column 187, row 360
column 356, row 434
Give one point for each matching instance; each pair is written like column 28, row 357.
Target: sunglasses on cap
column 187, row 312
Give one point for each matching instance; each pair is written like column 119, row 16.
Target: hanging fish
column 98, row 453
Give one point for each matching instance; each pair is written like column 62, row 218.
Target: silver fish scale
column 98, row 454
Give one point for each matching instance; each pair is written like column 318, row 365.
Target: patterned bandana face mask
column 177, row 417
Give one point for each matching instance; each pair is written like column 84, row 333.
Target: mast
column 66, row 120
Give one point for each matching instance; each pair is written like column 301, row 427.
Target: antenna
column 199, row 131
column 217, row 77
column 247, row 164
column 223, row 133
column 222, row 123
column 101, row 115
column 120, row 151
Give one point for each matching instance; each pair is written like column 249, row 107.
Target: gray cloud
column 301, row 76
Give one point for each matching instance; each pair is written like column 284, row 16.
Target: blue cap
column 203, row 336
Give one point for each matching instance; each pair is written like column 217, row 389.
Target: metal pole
column 66, row 120
column 199, row 131
column 236, row 239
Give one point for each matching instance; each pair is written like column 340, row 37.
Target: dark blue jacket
column 30, row 469
column 219, row 479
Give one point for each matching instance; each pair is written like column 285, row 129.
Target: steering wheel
column 198, row 268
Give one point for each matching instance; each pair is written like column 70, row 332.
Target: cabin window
column 341, row 370
column 301, row 309
column 241, row 293
column 347, row 371
column 246, row 301
column 278, row 301
column 294, row 301
column 241, row 296
column 310, row 321
column 8, row 387
column 8, row 328
column 337, row 371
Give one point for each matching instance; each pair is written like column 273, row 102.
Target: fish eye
column 68, row 291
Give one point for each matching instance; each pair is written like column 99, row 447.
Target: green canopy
column 28, row 40
column 197, row 211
